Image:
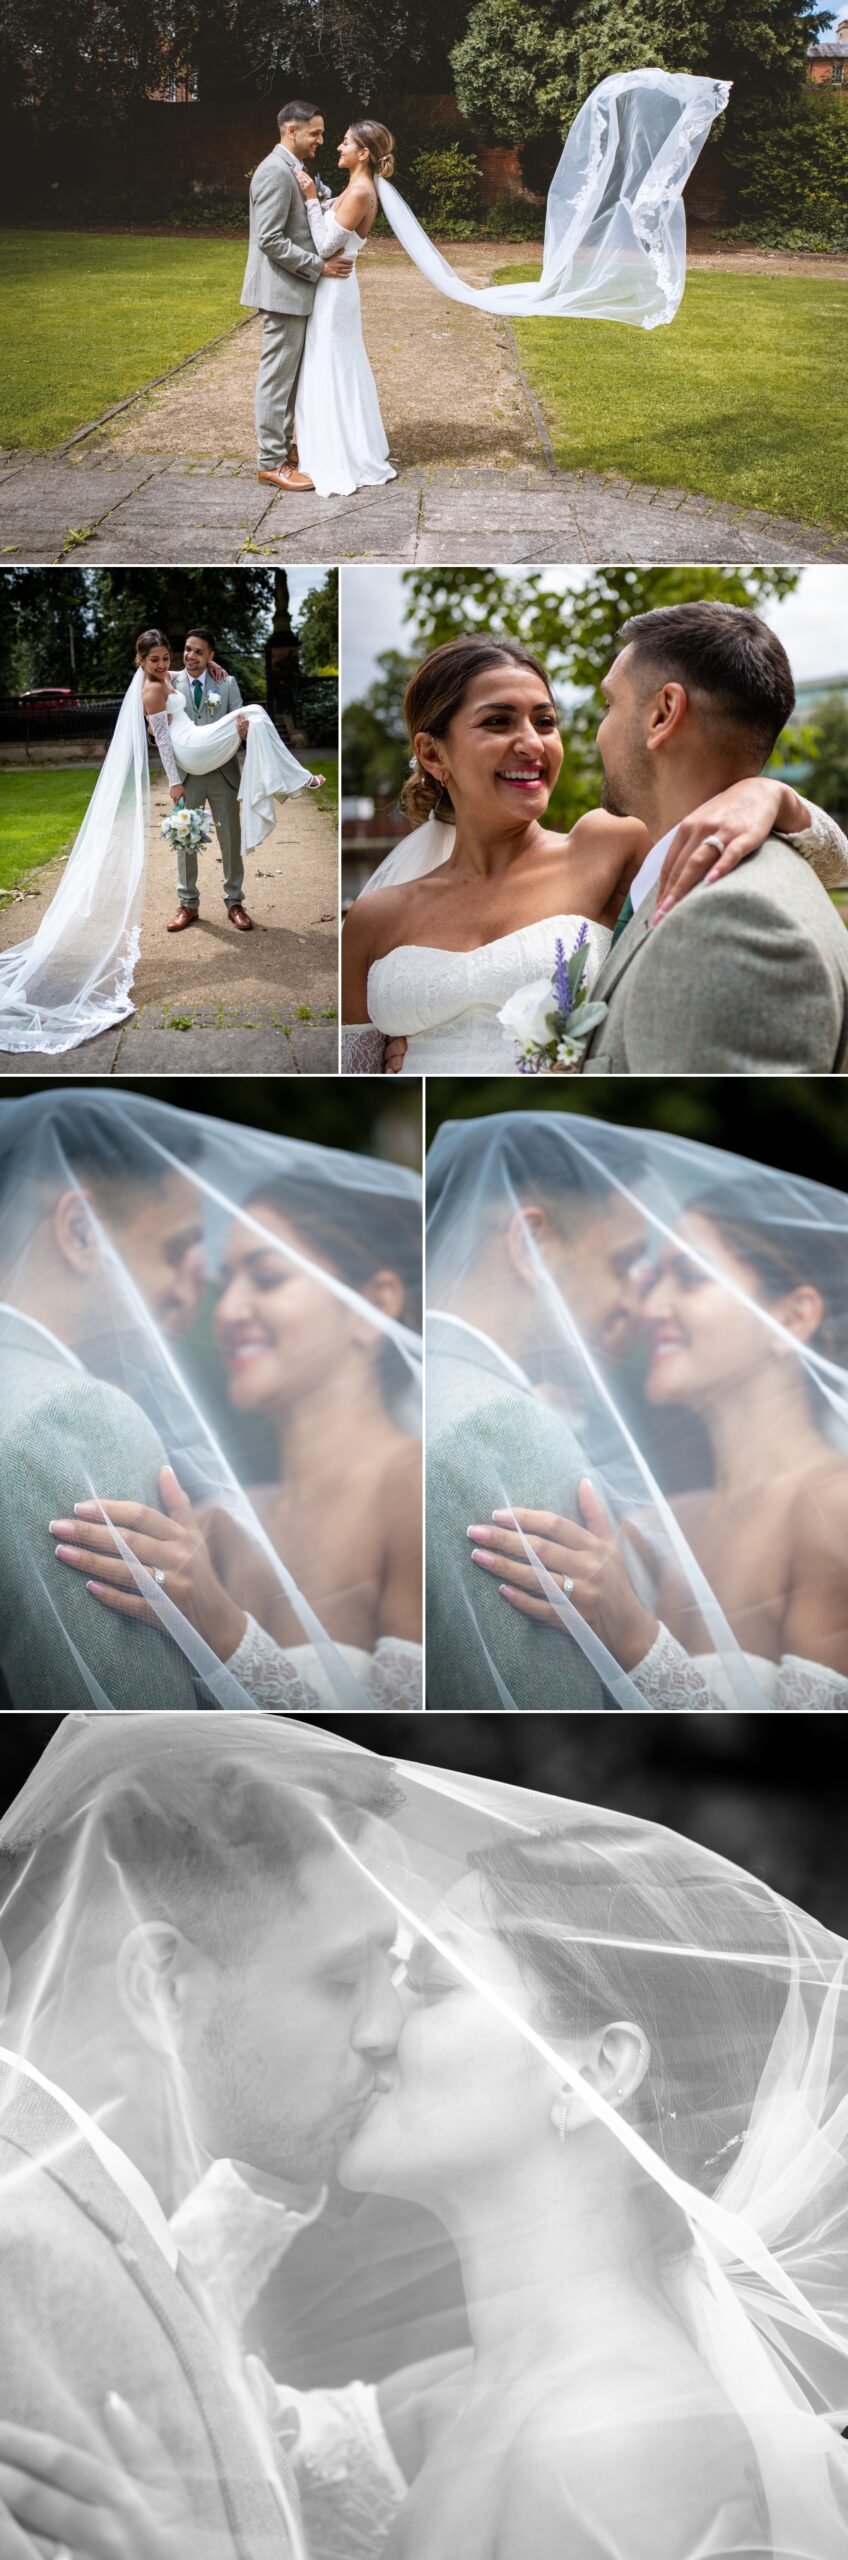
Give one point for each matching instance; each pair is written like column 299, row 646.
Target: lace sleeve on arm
column 363, row 1050
column 667, row 1677
column 803, row 1686
column 327, row 234
column 823, row 845
column 349, row 2482
column 159, row 724
column 269, row 1676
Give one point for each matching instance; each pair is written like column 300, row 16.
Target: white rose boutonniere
column 213, row 700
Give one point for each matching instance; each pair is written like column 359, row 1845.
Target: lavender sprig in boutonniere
column 549, row 1021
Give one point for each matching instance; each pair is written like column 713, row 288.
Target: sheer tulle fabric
column 149, row 1255
column 615, row 232
column 603, row 1304
column 525, row 1928
column 73, row 979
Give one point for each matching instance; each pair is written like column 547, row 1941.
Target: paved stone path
column 213, row 1001
column 168, row 478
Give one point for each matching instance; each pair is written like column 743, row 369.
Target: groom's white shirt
column 646, row 878
column 118, row 2166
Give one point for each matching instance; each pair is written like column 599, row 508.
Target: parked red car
column 49, row 697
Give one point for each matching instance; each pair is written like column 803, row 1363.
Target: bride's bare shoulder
column 625, row 839
column 648, row 2475
column 155, row 696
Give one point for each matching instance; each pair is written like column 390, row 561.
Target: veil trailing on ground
column 243, row 1309
column 615, row 232
column 663, row 1325
column 608, row 2120
column 73, row 978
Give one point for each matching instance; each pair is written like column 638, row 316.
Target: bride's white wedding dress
column 73, row 979
column 446, row 1003
column 270, row 770
column 297, row 1679
column 341, row 440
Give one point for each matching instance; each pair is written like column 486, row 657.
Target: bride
column 618, row 2082
column 74, row 978
column 471, row 906
column 341, row 441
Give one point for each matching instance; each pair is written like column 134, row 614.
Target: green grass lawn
column 742, row 398
column 40, row 812
column 87, row 318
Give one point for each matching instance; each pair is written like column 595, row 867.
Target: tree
column 318, row 628
column 826, row 774
column 99, row 613
column 576, row 635
column 88, row 66
column 375, row 747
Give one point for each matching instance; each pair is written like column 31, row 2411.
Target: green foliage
column 40, row 812
column 514, row 70
column 106, row 315
column 826, row 772
column 446, row 184
column 46, row 614
column 514, row 218
column 792, row 189
column 375, row 747
column 318, row 627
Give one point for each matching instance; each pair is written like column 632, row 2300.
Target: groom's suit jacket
column 89, row 2304
column 229, row 699
column 283, row 266
column 749, row 977
column 62, row 1434
column 491, row 1441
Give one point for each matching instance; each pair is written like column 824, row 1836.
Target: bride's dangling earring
column 560, row 2114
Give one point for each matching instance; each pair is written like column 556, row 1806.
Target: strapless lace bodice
column 447, row 1002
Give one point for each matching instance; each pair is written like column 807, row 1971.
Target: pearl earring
column 560, row 2114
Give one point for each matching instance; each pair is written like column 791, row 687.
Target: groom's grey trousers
column 221, row 790
column 282, row 271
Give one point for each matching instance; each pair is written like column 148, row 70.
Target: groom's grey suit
column 89, row 2304
column 64, row 1435
column 283, row 269
column 221, row 789
column 490, row 1441
column 749, row 977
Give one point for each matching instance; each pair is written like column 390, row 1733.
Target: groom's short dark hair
column 298, row 111
column 198, row 631
column 724, row 654
column 99, row 1147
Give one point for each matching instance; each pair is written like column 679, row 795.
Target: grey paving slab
column 94, row 1058
column 148, row 1050
column 151, row 508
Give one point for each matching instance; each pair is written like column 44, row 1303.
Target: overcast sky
column 300, row 581
column 813, row 622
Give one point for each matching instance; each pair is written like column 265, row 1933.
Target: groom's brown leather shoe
column 184, row 916
column 285, row 477
column 239, row 916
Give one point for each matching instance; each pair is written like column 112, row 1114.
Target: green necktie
column 624, row 918
column 197, row 690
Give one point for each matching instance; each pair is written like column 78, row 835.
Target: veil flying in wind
column 73, row 979
column 242, row 1311
column 615, row 232
column 637, row 1361
column 598, row 2156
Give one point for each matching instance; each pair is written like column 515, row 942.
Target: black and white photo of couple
column 546, row 2087
column 615, row 249
column 637, row 1422
column 72, row 979
column 684, row 927
column 210, row 1369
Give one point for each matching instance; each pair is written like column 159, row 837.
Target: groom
column 209, row 698
column 283, row 269
column 748, row 976
column 157, row 1893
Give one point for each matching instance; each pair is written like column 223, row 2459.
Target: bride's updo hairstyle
column 379, row 144
column 436, row 693
column 604, row 1934
column 147, row 640
column 786, row 1254
column 392, row 1242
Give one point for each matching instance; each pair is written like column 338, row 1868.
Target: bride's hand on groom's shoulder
column 582, row 1557
column 725, row 831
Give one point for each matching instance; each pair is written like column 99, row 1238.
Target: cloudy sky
column 813, row 623
column 300, row 581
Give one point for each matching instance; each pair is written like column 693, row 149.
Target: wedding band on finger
column 714, row 842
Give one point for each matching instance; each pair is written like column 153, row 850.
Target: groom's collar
column 34, row 1326
column 647, row 877
column 490, row 1353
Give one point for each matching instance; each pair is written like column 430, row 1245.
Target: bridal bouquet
column 549, row 1021
column 187, row 828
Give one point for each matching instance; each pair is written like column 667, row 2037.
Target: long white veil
column 615, row 233
column 612, row 2075
column 73, row 979
column 666, row 1324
